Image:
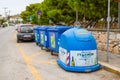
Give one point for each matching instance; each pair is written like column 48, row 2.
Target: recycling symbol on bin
column 42, row 38
column 53, row 40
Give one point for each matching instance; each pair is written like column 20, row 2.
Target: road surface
column 26, row 61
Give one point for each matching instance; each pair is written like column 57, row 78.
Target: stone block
column 103, row 38
column 102, row 46
column 116, row 50
column 112, row 37
column 94, row 33
column 111, row 47
column 95, row 36
column 97, row 41
column 118, row 36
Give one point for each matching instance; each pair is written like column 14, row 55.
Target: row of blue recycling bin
column 76, row 46
column 48, row 36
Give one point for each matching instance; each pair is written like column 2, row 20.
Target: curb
column 109, row 67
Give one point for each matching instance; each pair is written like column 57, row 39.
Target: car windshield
column 26, row 29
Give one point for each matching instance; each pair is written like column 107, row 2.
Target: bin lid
column 37, row 27
column 44, row 28
column 78, row 39
column 59, row 28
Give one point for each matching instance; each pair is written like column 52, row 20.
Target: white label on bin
column 83, row 58
column 62, row 54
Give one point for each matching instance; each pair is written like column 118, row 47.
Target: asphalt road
column 26, row 61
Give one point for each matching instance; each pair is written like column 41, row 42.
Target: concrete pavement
column 26, row 61
column 12, row 65
column 114, row 62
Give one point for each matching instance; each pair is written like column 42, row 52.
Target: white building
column 15, row 18
column 1, row 17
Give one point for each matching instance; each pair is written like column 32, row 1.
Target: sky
column 15, row 6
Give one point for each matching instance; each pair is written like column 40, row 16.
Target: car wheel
column 18, row 41
column 41, row 47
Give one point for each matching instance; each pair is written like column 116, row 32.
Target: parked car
column 11, row 24
column 25, row 32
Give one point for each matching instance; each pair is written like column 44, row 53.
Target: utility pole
column 5, row 11
column 9, row 12
column 119, row 14
column 108, row 30
column 76, row 15
column 9, row 15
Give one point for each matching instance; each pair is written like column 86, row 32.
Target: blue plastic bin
column 54, row 34
column 44, row 40
column 37, row 35
column 78, row 51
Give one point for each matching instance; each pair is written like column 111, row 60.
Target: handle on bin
column 82, row 36
column 59, row 41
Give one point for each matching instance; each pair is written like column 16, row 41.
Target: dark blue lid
column 37, row 27
column 59, row 28
column 44, row 27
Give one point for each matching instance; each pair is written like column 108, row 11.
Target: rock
column 116, row 50
column 118, row 36
column 111, row 47
column 114, row 41
column 103, row 38
column 112, row 37
column 100, row 47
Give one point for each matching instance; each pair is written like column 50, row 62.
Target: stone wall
column 101, row 39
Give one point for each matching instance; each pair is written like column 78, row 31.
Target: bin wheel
column 36, row 43
column 47, row 50
column 51, row 52
column 42, row 47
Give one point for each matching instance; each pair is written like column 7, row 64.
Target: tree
column 64, row 10
column 31, row 10
column 2, row 20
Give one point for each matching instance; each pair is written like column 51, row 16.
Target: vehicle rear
column 25, row 32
